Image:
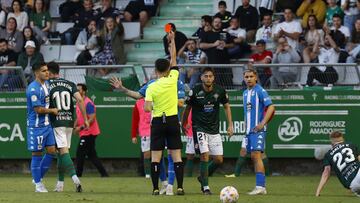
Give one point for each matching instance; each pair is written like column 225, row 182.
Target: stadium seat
column 121, row 4
column 132, row 30
column 50, row 52
column 348, row 75
column 62, row 27
column 54, row 8
column 67, row 53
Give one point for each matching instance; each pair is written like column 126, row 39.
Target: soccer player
column 141, row 121
column 40, row 134
column 62, row 93
column 344, row 158
column 204, row 100
column 258, row 110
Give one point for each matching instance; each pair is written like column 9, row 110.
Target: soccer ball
column 229, row 194
column 319, row 152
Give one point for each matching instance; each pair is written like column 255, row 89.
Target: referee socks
column 155, row 173
column 179, row 172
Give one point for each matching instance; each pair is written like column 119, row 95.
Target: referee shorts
column 167, row 131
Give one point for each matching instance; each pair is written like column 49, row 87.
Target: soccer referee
column 162, row 99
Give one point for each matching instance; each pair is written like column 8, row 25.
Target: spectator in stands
column 28, row 35
column 28, row 58
column 15, row 38
column 40, row 21
column 180, row 40
column 19, row 14
column 140, row 10
column 106, row 11
column 206, row 21
column 69, row 10
column 223, row 14
column 85, row 14
column 327, row 54
column 266, row 7
column 266, row 32
column 192, row 55
column 111, row 43
column 241, row 46
column 311, row 7
column 249, row 19
column 262, row 56
column 338, row 26
column 86, row 44
column 290, row 28
column 354, row 45
column 351, row 12
column 215, row 44
column 293, row 5
column 7, row 58
column 284, row 54
column 313, row 35
column 332, row 9
column 6, row 5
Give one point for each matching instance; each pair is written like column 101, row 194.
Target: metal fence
column 230, row 76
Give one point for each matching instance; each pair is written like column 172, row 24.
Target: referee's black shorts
column 165, row 132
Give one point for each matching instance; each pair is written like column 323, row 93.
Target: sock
column 189, row 167
column 155, row 172
column 35, row 168
column 162, row 170
column 76, row 179
column 266, row 165
column 179, row 172
column 212, row 167
column 260, row 179
column 147, row 164
column 68, row 164
column 239, row 164
column 204, row 173
column 46, row 163
column 171, row 172
column 61, row 170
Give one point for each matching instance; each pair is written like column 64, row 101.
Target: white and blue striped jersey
column 37, row 95
column 255, row 102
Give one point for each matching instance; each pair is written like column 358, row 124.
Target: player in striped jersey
column 258, row 110
column 40, row 134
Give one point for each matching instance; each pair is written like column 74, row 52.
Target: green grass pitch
column 281, row 189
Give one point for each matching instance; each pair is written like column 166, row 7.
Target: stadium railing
column 13, row 78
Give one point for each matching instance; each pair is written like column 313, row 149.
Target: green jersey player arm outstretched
column 324, row 178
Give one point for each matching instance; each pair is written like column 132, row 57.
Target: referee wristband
column 174, row 68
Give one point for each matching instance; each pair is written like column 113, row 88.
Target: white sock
column 76, row 180
column 206, row 188
column 164, row 183
column 170, row 186
column 60, row 183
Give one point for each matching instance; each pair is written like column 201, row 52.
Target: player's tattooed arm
column 81, row 103
column 324, row 178
column 117, row 84
column 43, row 110
column 184, row 119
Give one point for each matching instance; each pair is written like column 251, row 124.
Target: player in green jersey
column 344, row 158
column 61, row 93
column 205, row 100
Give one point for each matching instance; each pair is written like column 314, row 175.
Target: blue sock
column 260, row 179
column 171, row 172
column 35, row 168
column 162, row 170
column 46, row 163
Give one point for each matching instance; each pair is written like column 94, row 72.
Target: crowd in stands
column 300, row 31
column 275, row 31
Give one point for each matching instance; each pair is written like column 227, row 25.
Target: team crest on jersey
column 216, row 96
column 248, row 106
column 200, row 93
column 34, row 98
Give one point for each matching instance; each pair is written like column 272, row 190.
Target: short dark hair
column 267, row 14
column 37, row 66
column 2, row 40
column 217, row 17
column 162, row 65
column 222, row 3
column 336, row 15
column 207, row 69
column 173, row 27
column 83, row 86
column 250, row 70
column 53, row 67
column 207, row 18
column 261, row 41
